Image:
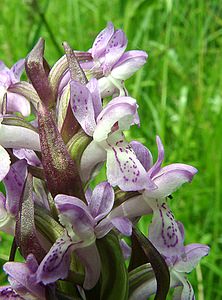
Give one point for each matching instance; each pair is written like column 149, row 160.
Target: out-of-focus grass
column 179, row 92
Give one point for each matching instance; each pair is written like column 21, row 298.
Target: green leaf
column 48, row 226
column 26, row 238
column 114, row 275
column 138, row 256
column 77, row 145
column 157, row 262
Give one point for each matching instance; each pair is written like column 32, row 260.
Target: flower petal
column 121, row 111
column 29, row 155
column 102, row 40
column 93, row 87
column 131, row 208
column 77, row 214
column 192, row 256
column 91, row 158
column 82, row 106
column 123, row 225
column 4, row 162
column 18, row 68
column 14, row 182
column 143, row 154
column 126, row 249
column 56, row 263
column 157, row 166
column 170, row 178
column 2, row 65
column 21, row 276
column 64, row 81
column 106, row 87
column 102, row 200
column 7, row 222
column 114, row 50
column 128, row 64
column 123, row 167
column 164, row 232
column 89, row 256
column 19, row 137
column 18, row 103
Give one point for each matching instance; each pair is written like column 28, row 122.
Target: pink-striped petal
column 6, row 292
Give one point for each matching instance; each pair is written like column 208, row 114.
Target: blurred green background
column 179, row 92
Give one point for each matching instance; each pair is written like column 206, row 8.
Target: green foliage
column 179, row 92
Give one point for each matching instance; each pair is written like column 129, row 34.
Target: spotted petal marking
column 114, row 50
column 6, row 292
column 164, row 231
column 102, row 40
column 56, row 263
column 82, row 106
column 123, row 167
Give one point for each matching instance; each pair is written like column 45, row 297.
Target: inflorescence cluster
column 57, row 130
